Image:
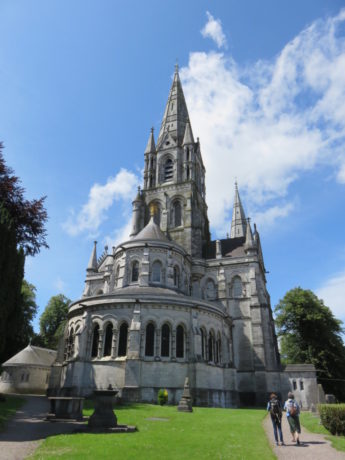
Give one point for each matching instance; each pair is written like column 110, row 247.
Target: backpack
column 292, row 408
column 275, row 409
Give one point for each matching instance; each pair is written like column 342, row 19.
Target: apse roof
column 151, row 232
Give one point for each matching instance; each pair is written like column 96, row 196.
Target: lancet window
column 95, row 341
column 123, row 336
column 179, row 342
column 108, row 340
column 237, row 287
column 165, row 341
column 135, row 271
column 157, row 272
column 168, row 170
column 150, row 340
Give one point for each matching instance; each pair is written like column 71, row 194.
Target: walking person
column 275, row 409
column 292, row 413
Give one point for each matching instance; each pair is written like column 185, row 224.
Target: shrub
column 162, row 397
column 333, row 418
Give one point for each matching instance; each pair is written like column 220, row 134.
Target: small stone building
column 28, row 371
column 169, row 303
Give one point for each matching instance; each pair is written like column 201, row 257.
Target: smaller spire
column 92, row 265
column 138, row 197
column 249, row 244
column 188, row 135
column 238, row 222
column 176, row 66
column 151, row 146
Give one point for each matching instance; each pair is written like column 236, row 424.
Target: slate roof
column 231, row 247
column 150, row 232
column 32, row 356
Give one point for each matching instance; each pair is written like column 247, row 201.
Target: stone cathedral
column 169, row 302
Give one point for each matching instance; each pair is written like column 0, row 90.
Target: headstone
column 185, row 404
column 330, row 399
column 312, row 407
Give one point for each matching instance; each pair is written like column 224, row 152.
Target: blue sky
column 82, row 82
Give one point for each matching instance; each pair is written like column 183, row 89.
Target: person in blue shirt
column 275, row 409
column 292, row 413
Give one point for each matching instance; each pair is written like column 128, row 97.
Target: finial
column 248, row 220
column 95, row 243
column 254, row 226
column 152, row 129
column 139, row 188
column 176, row 66
column 106, row 248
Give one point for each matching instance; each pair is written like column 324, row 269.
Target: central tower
column 174, row 179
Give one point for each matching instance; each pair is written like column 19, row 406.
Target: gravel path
column 313, row 446
column 27, row 429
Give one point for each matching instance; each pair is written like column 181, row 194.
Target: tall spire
column 151, row 147
column 176, row 113
column 238, row 223
column 92, row 265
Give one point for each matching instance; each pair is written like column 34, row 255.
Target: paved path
column 313, row 446
column 26, row 430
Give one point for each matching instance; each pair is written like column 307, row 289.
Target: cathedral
column 170, row 303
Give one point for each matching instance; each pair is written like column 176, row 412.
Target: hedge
column 333, row 418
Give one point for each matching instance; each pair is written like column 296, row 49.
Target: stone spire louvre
column 238, row 223
column 176, row 113
column 151, row 147
column 92, row 265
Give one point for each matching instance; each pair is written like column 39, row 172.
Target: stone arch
column 117, row 276
column 108, row 338
column 203, row 334
column 176, row 211
column 176, row 276
column 211, row 345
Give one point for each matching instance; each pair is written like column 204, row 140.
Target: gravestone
column 185, row 404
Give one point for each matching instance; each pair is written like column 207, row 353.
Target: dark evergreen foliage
column 310, row 333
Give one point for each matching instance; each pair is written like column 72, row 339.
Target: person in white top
column 292, row 412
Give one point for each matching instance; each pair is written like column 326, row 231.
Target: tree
column 19, row 324
column 53, row 320
column 310, row 333
column 22, row 232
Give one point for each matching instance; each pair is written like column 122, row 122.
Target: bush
column 162, row 397
column 333, row 418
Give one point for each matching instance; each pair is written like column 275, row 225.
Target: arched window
column 156, row 272
column 187, row 154
column 188, row 172
column 203, row 343
column 210, row 290
column 135, row 271
column 219, row 349
column 95, row 340
column 117, row 276
column 176, row 276
column 108, row 340
column 179, row 342
column 237, row 287
column 122, row 351
column 165, row 341
column 70, row 351
column 176, row 214
column 211, row 347
column 150, row 340
column 168, row 170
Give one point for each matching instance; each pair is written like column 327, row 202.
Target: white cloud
column 120, row 235
column 101, row 197
column 59, row 285
column 269, row 122
column 213, row 29
column 333, row 294
column 268, row 217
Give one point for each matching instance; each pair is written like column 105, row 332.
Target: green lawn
column 203, row 434
column 9, row 408
column 312, row 423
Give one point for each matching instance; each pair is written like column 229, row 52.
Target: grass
column 312, row 423
column 203, row 434
column 8, row 409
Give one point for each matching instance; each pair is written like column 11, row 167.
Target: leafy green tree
column 309, row 333
column 53, row 320
column 19, row 322
column 22, row 232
